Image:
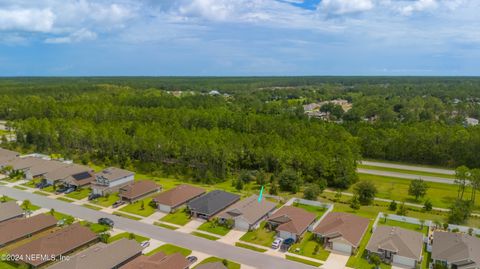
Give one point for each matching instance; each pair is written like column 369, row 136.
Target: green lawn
column 42, row 193
column 79, row 194
column 314, row 209
column 95, row 227
column 136, row 208
column 296, row 259
column 426, row 258
column 120, row 214
column 106, row 201
column 61, row 216
column 20, row 188
column 307, row 248
column 170, row 249
column 49, row 189
column 230, row 264
column 214, row 228
column 179, row 217
column 65, row 199
column 10, row 265
column 5, row 198
column 92, row 207
column 403, row 171
column 358, row 260
column 137, row 237
column 261, row 236
column 441, row 195
column 405, row 225
column 166, row 226
column 206, row 236
column 243, row 245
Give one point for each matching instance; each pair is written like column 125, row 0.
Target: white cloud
column 78, row 36
column 34, row 20
column 418, row 5
column 340, row 7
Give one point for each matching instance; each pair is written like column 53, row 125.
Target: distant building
column 6, row 156
column 111, row 179
column 214, row 92
column 10, row 210
column 71, row 174
column 471, row 122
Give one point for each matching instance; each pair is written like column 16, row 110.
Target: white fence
column 463, row 229
column 401, row 219
column 328, row 207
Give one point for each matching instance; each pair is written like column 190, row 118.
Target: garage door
column 164, row 208
column 342, row 247
column 404, row 261
column 241, row 225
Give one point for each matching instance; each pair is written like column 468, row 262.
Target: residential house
column 397, row 245
column 111, row 179
column 248, row 213
column 62, row 242
column 342, row 231
column 456, row 250
column 211, row 265
column 158, row 261
column 172, row 199
column 6, row 156
column 10, row 210
column 20, row 228
column 70, row 174
column 103, row 256
column 210, row 204
column 34, row 167
column 291, row 222
column 138, row 190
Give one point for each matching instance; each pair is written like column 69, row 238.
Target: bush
column 366, row 191
column 392, row 206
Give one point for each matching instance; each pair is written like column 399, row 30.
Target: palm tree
column 474, row 183
column 462, row 173
column 26, row 204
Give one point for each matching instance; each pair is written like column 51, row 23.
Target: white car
column 277, row 243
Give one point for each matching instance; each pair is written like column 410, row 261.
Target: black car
column 106, row 221
column 192, row 259
column 287, row 243
column 118, row 203
column 93, row 196
column 42, row 185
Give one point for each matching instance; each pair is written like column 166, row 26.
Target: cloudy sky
column 239, row 37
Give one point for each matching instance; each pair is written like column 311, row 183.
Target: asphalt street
column 406, row 176
column 410, row 167
column 240, row 255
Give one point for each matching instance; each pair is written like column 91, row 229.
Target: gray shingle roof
column 403, row 242
column 212, row 202
column 9, row 210
column 455, row 247
column 249, row 209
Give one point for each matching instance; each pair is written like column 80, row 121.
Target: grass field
column 170, row 249
column 307, row 248
column 441, row 195
column 166, row 226
column 230, row 264
column 214, row 228
column 127, row 235
column 405, row 225
column 95, row 227
column 314, row 209
column 243, row 245
column 179, row 217
column 106, row 201
column 296, row 259
column 261, row 236
column 206, row 236
column 410, row 172
column 79, row 194
column 136, row 208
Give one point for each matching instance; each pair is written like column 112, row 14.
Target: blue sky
column 239, row 37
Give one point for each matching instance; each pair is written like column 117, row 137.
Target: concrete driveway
column 336, row 260
column 232, row 237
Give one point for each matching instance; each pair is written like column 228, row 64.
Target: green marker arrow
column 261, row 194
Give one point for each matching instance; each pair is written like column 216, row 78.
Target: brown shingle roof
column 10, row 210
column 403, row 242
column 15, row 229
column 456, row 247
column 293, row 219
column 138, row 188
column 249, row 209
column 178, row 195
column 55, row 244
column 7, row 155
column 67, row 171
column 102, row 256
column 347, row 226
column 114, row 173
column 158, row 261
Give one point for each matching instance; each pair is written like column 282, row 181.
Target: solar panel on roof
column 82, row 176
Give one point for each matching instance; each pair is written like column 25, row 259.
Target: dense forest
column 211, row 128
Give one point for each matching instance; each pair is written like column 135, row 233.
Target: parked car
column 43, row 185
column 106, row 221
column 276, row 243
column 61, row 190
column 93, row 196
column 118, row 203
column 287, row 243
column 70, row 190
column 145, row 244
column 192, row 259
